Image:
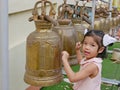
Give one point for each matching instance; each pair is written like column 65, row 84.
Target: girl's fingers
column 78, row 45
column 65, row 53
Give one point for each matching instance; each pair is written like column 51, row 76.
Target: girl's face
column 90, row 47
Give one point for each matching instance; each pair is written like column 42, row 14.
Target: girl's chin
column 87, row 57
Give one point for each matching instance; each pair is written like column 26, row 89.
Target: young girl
column 93, row 49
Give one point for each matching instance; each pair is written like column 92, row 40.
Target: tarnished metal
column 116, row 55
column 66, row 30
column 99, row 23
column 65, row 11
column 43, row 50
column 69, row 38
column 101, row 12
column 80, row 31
column 117, row 20
column 115, row 12
column 80, row 14
column 112, row 27
column 106, row 26
column 115, row 23
column 116, row 3
column 80, row 20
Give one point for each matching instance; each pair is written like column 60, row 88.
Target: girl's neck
column 86, row 59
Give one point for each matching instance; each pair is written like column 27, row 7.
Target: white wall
column 20, row 5
column 19, row 28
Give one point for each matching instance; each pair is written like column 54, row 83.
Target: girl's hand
column 65, row 55
column 78, row 45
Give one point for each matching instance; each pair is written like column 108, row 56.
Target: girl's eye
column 93, row 45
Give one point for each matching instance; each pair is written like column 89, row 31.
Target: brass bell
column 43, row 50
column 66, row 31
column 80, row 20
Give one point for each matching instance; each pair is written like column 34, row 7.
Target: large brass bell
column 43, row 50
column 69, row 38
column 66, row 31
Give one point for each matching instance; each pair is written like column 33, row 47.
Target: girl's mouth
column 86, row 52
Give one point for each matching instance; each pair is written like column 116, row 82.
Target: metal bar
column 104, row 80
column 110, row 8
column 4, row 44
column 110, row 81
column 93, row 12
column 104, row 1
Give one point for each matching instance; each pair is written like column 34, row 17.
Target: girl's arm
column 89, row 70
column 78, row 53
column 67, row 68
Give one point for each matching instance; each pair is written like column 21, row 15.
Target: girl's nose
column 87, row 47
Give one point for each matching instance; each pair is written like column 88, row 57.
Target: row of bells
column 107, row 24
column 44, row 46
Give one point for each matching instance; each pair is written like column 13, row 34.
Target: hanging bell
column 43, row 50
column 79, row 19
column 66, row 31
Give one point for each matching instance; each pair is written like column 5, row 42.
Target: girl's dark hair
column 98, row 37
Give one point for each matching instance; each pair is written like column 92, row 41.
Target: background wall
column 19, row 28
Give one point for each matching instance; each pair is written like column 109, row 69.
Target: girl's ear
column 101, row 49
